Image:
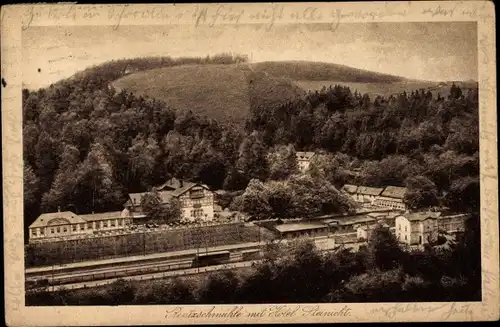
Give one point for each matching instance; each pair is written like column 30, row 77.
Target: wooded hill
column 86, row 145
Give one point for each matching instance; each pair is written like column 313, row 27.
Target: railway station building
column 67, row 224
column 303, row 229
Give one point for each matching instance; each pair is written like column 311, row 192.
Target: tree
column 421, row 193
column 253, row 201
column 208, row 164
column 30, row 187
column 392, row 170
column 331, row 167
column 156, row 209
column 63, row 189
column 170, row 211
column 219, row 288
column 375, row 286
column 464, row 194
column 175, row 291
column 235, row 180
column 466, row 255
column 252, row 157
column 150, row 204
column 97, row 188
column 282, row 162
column 279, row 198
column 46, row 160
column 121, row 292
column 143, row 156
column 301, row 277
column 384, row 252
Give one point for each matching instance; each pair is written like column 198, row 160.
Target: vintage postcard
column 249, row 163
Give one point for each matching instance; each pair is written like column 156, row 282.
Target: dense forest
column 86, row 145
column 380, row 272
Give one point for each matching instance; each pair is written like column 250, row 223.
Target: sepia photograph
column 233, row 163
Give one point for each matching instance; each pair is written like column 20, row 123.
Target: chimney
column 58, row 209
column 182, row 182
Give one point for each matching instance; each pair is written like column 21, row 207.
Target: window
column 406, row 228
column 58, row 229
column 82, row 226
column 112, row 223
column 65, row 229
column 33, row 232
column 74, row 228
column 52, row 230
column 194, row 194
column 405, row 238
column 399, row 226
column 104, row 224
column 89, row 225
column 120, row 222
column 420, row 239
column 41, row 231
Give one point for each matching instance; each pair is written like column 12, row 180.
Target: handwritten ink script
column 447, row 310
column 275, row 311
column 269, row 15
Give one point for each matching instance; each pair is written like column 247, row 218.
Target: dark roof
column 369, row 190
column 170, row 185
column 298, row 227
column 421, row 216
column 354, row 220
column 45, row 218
column 165, row 197
column 101, row 216
column 172, row 188
column 394, row 192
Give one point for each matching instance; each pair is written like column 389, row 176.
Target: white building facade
column 196, row 201
column 66, row 224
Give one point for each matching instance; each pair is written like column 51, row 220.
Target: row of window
column 391, row 204
column 74, row 228
column 406, row 227
column 196, row 194
column 197, row 213
column 204, row 201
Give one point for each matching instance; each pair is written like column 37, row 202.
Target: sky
column 426, row 51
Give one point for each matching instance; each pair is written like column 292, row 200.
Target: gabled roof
column 166, row 195
column 135, row 198
column 349, row 188
column 421, row 216
column 186, row 186
column 394, row 192
column 369, row 190
column 101, row 216
column 304, row 155
column 171, row 184
column 44, row 219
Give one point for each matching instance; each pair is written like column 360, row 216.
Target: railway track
column 85, row 276
column 153, row 276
